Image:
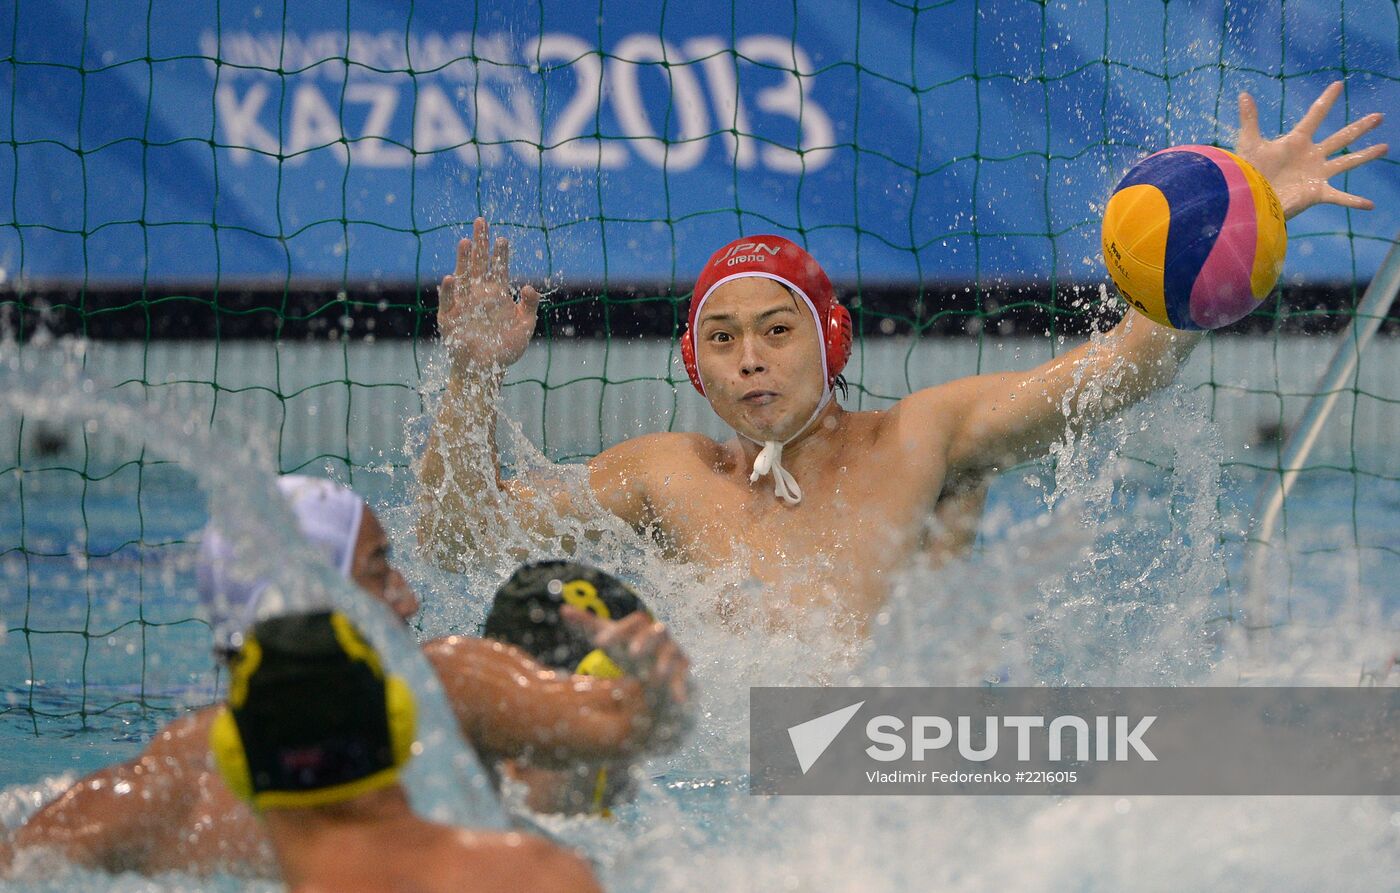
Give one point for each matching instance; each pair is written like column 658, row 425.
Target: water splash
column 231, row 464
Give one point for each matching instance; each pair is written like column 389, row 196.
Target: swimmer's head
column 525, row 613
column 766, row 339
column 337, row 523
column 312, row 718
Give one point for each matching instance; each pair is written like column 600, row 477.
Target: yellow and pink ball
column 1194, row 237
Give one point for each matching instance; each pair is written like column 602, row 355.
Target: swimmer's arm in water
column 995, row 420
column 484, row 330
column 92, row 826
column 109, row 820
column 508, row 705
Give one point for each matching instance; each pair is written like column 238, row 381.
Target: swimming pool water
column 104, row 640
column 114, row 558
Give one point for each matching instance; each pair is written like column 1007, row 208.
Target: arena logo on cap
column 733, row 256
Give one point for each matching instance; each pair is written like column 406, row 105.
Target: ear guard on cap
column 837, row 341
column 839, row 338
column 323, row 779
column 598, row 664
column 783, row 261
column 226, row 745
column 525, row 613
column 227, row 748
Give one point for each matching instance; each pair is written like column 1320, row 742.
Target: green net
column 247, row 207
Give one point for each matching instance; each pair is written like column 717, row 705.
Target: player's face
column 759, row 357
column 372, row 570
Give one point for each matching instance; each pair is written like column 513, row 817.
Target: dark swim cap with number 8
column 525, row 613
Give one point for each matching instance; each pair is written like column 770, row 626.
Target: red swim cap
column 776, row 258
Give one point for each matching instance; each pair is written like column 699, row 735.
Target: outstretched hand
column 1298, row 168
column 643, row 648
column 482, row 324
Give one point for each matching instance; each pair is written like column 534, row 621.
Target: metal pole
column 1375, row 303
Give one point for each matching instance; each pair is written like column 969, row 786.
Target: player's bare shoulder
column 512, row 861
column 926, row 419
column 182, row 745
column 664, row 453
column 625, row 477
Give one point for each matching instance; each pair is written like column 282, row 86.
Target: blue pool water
column 103, row 644
column 101, row 649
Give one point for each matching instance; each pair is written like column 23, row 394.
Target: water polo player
column 167, row 810
column 529, row 612
column 314, row 735
column 765, row 343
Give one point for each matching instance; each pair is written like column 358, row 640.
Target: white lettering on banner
column 816, row 135
column 565, row 145
column 240, row 122
column 685, row 102
column 437, row 126
column 373, row 148
column 385, row 100
column 733, row 121
column 512, row 124
column 314, row 124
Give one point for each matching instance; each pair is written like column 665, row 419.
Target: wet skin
column 168, row 809
column 870, row 480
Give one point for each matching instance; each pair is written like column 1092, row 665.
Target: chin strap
column 770, row 459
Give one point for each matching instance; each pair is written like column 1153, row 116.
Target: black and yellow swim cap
column 311, row 718
column 525, row 613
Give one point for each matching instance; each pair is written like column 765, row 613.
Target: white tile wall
column 356, row 399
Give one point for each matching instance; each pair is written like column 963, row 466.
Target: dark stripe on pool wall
column 1199, row 199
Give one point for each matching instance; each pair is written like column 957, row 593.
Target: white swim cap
column 327, row 514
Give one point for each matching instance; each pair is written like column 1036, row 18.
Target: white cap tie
column 770, row 459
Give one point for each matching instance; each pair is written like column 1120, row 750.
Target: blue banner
column 248, row 140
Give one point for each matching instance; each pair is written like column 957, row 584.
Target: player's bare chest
column 714, row 517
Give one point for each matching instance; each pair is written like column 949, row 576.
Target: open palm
column 481, row 323
column 1298, row 168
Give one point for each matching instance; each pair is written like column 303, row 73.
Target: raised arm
column 1299, row 168
column 990, row 421
column 484, row 330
